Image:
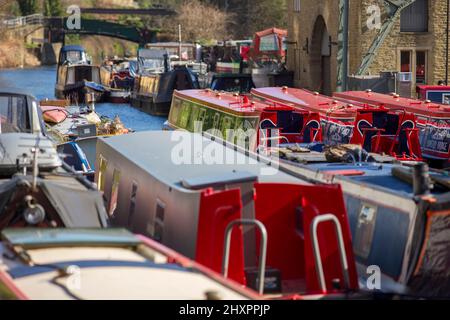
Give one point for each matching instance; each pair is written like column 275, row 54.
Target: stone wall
column 361, row 37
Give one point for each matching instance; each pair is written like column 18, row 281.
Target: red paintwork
column 432, row 118
column 394, row 102
column 217, row 210
column 279, row 33
column 175, row 257
column 289, row 248
column 6, row 279
column 347, row 173
column 244, row 106
column 346, row 115
column 289, row 243
column 423, row 89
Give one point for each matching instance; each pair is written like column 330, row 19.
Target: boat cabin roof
column 394, row 101
column 113, row 264
column 308, row 100
column 16, row 91
column 229, row 102
column 72, row 48
column 156, row 156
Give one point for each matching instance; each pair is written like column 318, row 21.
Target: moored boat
column 156, row 81
column 191, row 208
column 76, row 77
column 379, row 129
column 80, row 125
column 103, row 264
column 433, row 120
column 39, row 190
column 237, row 119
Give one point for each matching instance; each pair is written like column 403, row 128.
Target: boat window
column 216, row 120
column 202, row 115
column 70, row 76
column 14, row 115
column 159, row 220
column 95, row 77
column 132, row 209
column 365, row 230
column 185, row 114
column 114, row 192
column 103, row 165
column 175, row 110
column 227, row 124
column 74, row 56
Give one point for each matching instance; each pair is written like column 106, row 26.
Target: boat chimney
column 90, row 101
column 421, row 179
column 166, row 63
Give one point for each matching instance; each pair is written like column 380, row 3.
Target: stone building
column 383, row 35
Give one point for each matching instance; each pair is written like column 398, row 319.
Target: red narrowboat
column 433, row 120
column 229, row 116
column 437, row 94
column 377, row 129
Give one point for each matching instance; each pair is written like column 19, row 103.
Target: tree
column 200, row 22
column 53, row 8
column 28, row 7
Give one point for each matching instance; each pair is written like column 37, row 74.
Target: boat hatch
column 199, row 183
column 34, row 238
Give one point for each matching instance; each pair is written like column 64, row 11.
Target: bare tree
column 202, row 22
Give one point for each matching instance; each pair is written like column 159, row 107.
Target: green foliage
column 53, row 8
column 72, row 39
column 28, row 7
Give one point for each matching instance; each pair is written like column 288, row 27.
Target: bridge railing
column 33, row 19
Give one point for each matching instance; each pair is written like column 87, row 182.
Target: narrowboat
column 398, row 215
column 433, row 120
column 189, row 193
column 118, row 77
column 76, row 131
column 240, row 83
column 437, row 94
column 103, row 264
column 237, row 119
column 20, row 112
column 37, row 189
column 76, row 77
column 379, row 129
column 156, row 82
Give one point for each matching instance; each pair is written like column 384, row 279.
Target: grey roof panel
column 161, row 153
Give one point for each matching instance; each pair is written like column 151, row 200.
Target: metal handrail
column 262, row 250
column 316, row 249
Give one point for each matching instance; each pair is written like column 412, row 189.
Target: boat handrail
column 262, row 251
column 316, row 249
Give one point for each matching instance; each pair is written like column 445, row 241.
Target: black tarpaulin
column 432, row 274
column 77, row 208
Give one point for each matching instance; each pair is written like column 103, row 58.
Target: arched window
column 414, row 18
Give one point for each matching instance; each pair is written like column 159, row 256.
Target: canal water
column 41, row 83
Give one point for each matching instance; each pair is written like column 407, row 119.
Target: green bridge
column 58, row 28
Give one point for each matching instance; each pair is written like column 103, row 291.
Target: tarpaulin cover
column 77, row 208
column 432, row 274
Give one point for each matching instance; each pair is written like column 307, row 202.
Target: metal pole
column 345, row 43
column 179, row 42
column 447, row 49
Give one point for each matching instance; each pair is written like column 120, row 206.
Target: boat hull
column 148, row 105
column 118, row 97
column 77, row 93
